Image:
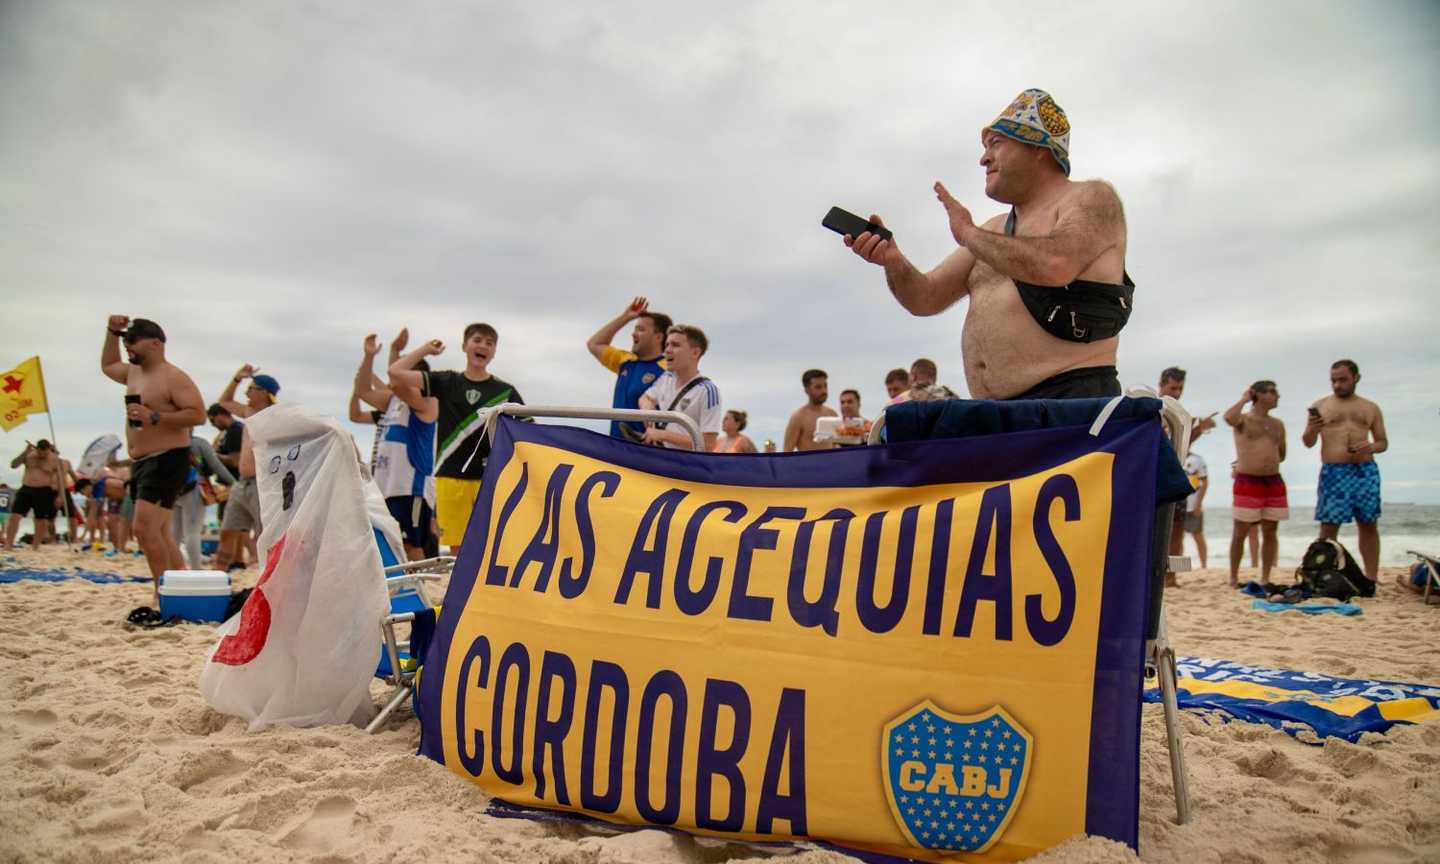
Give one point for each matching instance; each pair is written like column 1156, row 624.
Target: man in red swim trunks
column 1259, row 488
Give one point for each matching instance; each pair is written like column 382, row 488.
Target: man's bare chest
column 153, row 389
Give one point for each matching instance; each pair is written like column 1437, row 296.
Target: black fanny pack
column 1082, row 311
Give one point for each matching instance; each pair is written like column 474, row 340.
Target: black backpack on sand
column 1328, row 570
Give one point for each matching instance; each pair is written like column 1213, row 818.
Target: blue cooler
column 195, row 595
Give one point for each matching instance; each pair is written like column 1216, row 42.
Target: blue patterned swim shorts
column 1348, row 493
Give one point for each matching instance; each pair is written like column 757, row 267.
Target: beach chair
column 1159, row 656
column 1433, row 564
column 406, row 583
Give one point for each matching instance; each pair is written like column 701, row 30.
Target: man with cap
column 242, row 508
column 1047, row 284
column 163, row 406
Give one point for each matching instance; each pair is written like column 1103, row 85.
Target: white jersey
column 405, row 459
column 702, row 402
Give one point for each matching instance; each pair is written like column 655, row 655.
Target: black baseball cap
column 144, row 328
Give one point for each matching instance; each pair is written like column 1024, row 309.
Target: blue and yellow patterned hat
column 1034, row 118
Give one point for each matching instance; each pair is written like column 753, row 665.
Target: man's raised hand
column 372, row 345
column 246, row 371
column 433, row 347
column 401, row 340
column 118, row 322
column 960, row 220
column 637, row 308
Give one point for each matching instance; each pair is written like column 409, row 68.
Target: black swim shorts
column 1087, row 383
column 158, row 478
column 37, row 499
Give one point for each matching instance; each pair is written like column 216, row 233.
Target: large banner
column 928, row 650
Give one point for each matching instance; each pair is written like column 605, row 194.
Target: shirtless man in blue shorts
column 1351, row 430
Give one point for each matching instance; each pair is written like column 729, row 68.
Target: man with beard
column 163, row 407
column 1351, row 430
column 635, row 370
column 1047, row 284
column 39, row 494
column 800, row 431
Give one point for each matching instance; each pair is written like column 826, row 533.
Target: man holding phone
column 1351, row 431
column 163, row 406
column 1047, row 284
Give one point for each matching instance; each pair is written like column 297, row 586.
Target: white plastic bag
column 304, row 647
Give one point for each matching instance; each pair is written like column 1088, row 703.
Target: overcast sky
column 271, row 181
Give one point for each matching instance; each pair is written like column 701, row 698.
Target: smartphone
column 1314, row 412
column 133, row 399
column 845, row 222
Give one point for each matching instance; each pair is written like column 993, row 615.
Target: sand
column 109, row 753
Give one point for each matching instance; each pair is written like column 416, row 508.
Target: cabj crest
column 954, row 782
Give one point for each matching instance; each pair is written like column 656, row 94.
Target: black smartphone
column 133, row 399
column 845, row 222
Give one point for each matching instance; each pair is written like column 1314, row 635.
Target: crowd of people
column 1048, row 297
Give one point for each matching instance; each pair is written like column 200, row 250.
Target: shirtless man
column 39, row 491
column 242, row 524
column 1351, row 431
column 800, row 431
column 1063, row 231
column 164, row 406
column 1259, row 488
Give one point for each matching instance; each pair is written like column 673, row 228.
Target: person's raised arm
column 364, row 387
column 227, row 398
column 1234, row 415
column 397, row 346
column 207, row 455
column 600, row 340
column 111, row 363
column 1090, row 222
column 403, row 373
column 920, row 293
column 18, row 460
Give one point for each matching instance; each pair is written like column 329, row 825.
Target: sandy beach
column 111, row 754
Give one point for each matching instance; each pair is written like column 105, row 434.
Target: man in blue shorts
column 637, row 369
column 1351, row 430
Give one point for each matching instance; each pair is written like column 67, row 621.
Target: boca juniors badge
column 954, row 781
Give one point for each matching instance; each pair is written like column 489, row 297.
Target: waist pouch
column 1082, row 311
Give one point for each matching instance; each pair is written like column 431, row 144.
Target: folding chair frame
column 1433, row 564
column 414, row 574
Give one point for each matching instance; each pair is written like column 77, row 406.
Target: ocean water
column 1402, row 527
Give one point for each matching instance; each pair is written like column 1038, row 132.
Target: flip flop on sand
column 144, row 616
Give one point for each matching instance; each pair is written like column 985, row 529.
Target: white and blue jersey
column 701, row 402
column 405, row 460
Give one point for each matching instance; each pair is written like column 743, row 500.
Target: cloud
column 273, row 181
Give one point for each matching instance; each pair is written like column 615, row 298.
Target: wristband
column 237, row 380
column 120, row 333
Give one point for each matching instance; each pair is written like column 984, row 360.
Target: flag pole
column 54, row 443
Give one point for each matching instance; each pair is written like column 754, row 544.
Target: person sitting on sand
column 1259, row 489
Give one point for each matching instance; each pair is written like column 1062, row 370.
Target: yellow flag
column 22, row 393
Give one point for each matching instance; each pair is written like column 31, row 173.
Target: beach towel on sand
column 1309, row 608
column 305, row 644
column 1301, row 701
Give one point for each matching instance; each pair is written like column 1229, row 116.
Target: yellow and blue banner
column 926, row 650
column 1296, row 702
